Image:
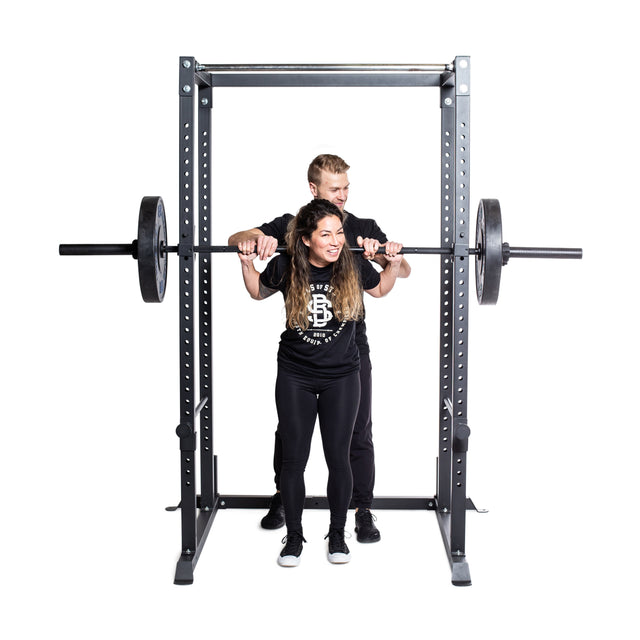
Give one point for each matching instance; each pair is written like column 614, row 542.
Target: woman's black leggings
column 300, row 400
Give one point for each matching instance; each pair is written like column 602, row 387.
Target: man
column 328, row 180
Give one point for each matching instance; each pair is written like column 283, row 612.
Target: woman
column 318, row 360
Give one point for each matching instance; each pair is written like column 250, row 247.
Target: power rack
column 196, row 84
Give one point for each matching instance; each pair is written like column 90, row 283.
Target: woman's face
column 326, row 242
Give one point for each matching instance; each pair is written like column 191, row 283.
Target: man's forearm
column 241, row 236
column 388, row 277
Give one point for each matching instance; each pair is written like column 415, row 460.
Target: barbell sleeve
column 97, row 249
column 543, row 252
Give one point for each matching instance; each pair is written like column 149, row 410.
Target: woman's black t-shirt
column 353, row 227
column 327, row 349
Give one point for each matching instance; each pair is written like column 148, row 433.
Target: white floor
column 529, row 581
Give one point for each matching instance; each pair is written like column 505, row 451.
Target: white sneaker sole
column 288, row 561
column 339, row 558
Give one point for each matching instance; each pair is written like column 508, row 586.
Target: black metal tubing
column 332, row 68
column 191, row 541
column 188, row 559
column 454, row 323
column 405, row 503
column 460, row 337
column 408, row 503
column 208, row 490
column 447, row 191
column 326, row 80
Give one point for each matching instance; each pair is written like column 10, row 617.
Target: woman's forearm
column 388, row 277
column 251, row 280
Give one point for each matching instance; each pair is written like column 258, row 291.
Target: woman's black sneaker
column 338, row 550
column 290, row 554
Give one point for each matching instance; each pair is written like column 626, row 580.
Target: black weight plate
column 489, row 243
column 152, row 260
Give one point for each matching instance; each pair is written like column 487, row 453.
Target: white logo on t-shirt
column 319, row 307
column 319, row 317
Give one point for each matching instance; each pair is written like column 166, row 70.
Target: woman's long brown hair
column 346, row 289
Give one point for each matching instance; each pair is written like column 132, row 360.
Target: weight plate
column 152, row 260
column 489, row 258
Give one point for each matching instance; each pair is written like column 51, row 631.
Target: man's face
column 333, row 187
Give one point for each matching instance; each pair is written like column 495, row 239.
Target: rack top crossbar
column 360, row 68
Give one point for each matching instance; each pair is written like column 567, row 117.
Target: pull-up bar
column 330, row 68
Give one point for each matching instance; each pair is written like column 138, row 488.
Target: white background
column 90, row 389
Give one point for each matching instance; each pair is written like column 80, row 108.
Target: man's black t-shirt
column 327, row 349
column 353, row 227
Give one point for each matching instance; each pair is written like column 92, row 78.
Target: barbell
column 151, row 250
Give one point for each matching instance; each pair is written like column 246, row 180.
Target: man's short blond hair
column 325, row 162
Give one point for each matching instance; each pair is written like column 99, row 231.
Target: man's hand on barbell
column 392, row 249
column 370, row 246
column 266, row 246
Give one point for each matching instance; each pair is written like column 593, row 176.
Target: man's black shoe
column 365, row 529
column 275, row 517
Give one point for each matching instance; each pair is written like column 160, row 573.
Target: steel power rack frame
column 196, row 84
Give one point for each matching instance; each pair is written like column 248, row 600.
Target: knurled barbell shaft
column 283, row 249
column 129, row 249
